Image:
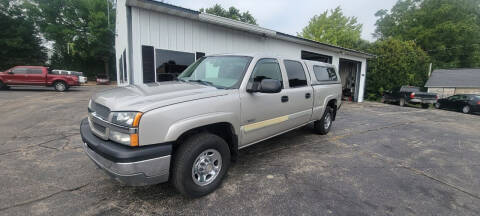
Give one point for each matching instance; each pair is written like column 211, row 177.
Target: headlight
column 120, row 137
column 126, row 119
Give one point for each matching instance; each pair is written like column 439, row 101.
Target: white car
column 80, row 76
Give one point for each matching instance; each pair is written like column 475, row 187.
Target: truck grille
column 101, row 110
column 99, row 128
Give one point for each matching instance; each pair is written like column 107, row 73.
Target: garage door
column 467, row 91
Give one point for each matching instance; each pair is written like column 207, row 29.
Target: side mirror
column 266, row 86
column 10, row 72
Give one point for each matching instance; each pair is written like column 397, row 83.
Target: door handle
column 307, row 95
column 284, row 99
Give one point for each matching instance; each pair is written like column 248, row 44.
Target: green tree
column 397, row 63
column 447, row 29
column 334, row 28
column 20, row 43
column 232, row 13
column 82, row 32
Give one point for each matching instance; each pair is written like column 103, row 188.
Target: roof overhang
column 237, row 25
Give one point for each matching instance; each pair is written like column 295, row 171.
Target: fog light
column 120, row 137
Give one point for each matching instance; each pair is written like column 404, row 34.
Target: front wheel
column 200, row 164
column 323, row 125
column 466, row 109
column 3, row 86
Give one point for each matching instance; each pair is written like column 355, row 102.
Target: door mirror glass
column 266, row 86
column 10, row 72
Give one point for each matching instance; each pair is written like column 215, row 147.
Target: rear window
column 295, row 73
column 35, row 71
column 323, row 73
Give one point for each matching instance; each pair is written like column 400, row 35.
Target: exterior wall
column 442, row 92
column 164, row 31
column 467, row 91
column 121, row 39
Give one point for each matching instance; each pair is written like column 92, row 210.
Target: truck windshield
column 218, row 71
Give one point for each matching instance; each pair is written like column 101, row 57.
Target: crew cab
column 410, row 95
column 36, row 76
column 188, row 131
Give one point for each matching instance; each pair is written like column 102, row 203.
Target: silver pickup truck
column 189, row 130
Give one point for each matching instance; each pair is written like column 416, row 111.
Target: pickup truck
column 189, row 130
column 36, row 76
column 409, row 95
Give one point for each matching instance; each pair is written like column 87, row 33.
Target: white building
column 155, row 41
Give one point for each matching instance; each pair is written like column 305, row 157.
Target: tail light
column 412, row 95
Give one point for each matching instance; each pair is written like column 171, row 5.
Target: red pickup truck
column 36, row 76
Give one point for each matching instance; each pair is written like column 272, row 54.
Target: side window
column 20, row 71
column 35, row 71
column 325, row 73
column 266, row 69
column 295, row 73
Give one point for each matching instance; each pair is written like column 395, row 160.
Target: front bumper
column 135, row 166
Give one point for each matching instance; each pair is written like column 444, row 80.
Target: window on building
column 124, row 62
column 295, row 73
column 35, row 71
column 324, row 73
column 148, row 62
column 265, row 69
column 316, row 57
column 171, row 63
column 120, row 69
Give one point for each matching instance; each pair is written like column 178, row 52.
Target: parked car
column 102, row 80
column 189, row 130
column 36, row 76
column 409, row 95
column 80, row 76
column 466, row 103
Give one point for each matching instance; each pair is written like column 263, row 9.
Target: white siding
column 169, row 32
column 121, row 39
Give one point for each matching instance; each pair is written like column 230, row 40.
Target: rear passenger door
column 299, row 93
column 35, row 76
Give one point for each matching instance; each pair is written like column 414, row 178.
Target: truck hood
column 145, row 97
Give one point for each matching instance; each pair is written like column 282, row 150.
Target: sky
column 290, row 16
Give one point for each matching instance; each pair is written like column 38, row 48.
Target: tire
column 60, row 86
column 466, row 109
column 402, row 102
column 438, row 105
column 425, row 106
column 323, row 125
column 188, row 164
column 3, row 86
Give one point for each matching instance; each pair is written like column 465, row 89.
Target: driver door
column 263, row 114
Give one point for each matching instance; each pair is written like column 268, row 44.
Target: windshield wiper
column 202, row 82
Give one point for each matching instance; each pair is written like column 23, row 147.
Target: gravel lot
column 378, row 160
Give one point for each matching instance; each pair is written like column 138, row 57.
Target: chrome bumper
column 138, row 173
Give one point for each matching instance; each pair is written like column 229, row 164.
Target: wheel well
column 222, row 129
column 333, row 104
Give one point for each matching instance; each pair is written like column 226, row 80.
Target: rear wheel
column 200, row 164
column 60, row 86
column 323, row 125
column 425, row 106
column 466, row 109
column 438, row 105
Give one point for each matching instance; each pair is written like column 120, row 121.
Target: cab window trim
column 279, row 67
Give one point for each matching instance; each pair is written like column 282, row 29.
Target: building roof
column 453, row 78
column 234, row 24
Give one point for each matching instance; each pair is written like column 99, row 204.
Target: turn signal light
column 133, row 139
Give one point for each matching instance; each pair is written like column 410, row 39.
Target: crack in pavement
column 39, row 145
column 44, row 197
